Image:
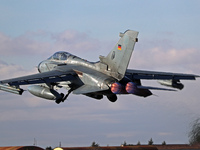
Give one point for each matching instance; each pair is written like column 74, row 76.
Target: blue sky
column 31, row 31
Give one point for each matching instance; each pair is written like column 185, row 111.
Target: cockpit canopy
column 60, row 56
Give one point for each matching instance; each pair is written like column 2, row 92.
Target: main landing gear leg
column 63, row 97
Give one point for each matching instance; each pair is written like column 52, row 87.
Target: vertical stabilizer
column 118, row 59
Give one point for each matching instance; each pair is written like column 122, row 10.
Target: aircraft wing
column 154, row 75
column 45, row 77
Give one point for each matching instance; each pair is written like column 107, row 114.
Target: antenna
column 35, row 142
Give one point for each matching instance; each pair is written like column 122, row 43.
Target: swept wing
column 141, row 74
column 45, row 77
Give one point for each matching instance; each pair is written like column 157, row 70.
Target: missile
column 11, row 89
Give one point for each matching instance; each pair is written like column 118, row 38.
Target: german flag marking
column 119, row 47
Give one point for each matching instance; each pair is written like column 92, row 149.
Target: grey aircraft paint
column 107, row 77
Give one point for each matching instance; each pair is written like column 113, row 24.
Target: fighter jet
column 107, row 77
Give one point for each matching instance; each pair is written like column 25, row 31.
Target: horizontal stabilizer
column 154, row 88
column 88, row 89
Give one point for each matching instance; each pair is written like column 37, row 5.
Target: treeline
column 150, row 142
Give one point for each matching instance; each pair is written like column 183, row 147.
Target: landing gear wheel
column 112, row 98
column 58, row 101
column 63, row 97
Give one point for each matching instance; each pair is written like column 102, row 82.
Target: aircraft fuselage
column 107, row 77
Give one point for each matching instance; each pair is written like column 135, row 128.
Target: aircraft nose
column 39, row 67
column 42, row 67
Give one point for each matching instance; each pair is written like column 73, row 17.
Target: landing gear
column 64, row 97
column 112, row 97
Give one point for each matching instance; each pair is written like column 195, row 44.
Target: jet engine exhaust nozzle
column 131, row 87
column 116, row 88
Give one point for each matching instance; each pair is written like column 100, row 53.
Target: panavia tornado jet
column 107, row 77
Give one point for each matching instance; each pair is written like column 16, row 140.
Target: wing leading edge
column 45, row 77
column 154, row 75
column 164, row 78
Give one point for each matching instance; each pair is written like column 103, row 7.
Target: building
column 137, row 147
column 21, row 148
column 142, row 147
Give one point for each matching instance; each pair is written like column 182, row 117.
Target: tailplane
column 118, row 59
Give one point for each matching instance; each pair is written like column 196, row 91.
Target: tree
column 94, row 144
column 124, row 143
column 150, row 142
column 49, row 148
column 194, row 134
column 138, row 143
column 163, row 143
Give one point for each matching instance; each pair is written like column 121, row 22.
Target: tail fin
column 118, row 59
